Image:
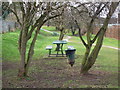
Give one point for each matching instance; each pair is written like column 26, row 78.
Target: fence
column 113, row 31
column 7, row 26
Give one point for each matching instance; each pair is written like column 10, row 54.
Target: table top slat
column 59, row 42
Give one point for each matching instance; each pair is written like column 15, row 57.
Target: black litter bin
column 70, row 53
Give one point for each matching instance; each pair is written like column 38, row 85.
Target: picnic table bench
column 49, row 47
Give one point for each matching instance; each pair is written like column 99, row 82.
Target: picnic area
column 55, row 71
column 60, row 45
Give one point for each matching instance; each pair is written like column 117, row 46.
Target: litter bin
column 70, row 53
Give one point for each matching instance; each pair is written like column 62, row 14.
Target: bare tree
column 70, row 24
column 59, row 23
column 80, row 12
column 91, row 54
column 34, row 15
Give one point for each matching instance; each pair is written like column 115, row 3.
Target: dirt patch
column 7, row 65
column 49, row 73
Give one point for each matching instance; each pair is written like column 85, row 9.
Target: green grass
column 111, row 42
column 107, row 56
column 107, row 41
column 10, row 45
column 50, row 28
column 45, row 33
column 10, row 48
column 107, row 60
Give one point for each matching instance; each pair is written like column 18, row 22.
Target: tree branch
column 18, row 20
column 52, row 17
column 99, row 10
column 22, row 9
column 80, row 34
column 90, row 42
column 82, row 11
column 38, row 23
column 96, row 36
column 105, row 24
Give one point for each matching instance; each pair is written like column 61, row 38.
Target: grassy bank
column 107, row 41
column 10, row 45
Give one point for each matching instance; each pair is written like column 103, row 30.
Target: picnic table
column 59, row 44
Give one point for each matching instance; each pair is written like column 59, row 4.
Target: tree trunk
column 73, row 31
column 90, row 58
column 60, row 38
column 23, row 70
column 61, row 35
column 22, row 50
column 25, row 62
column 30, row 53
column 57, row 28
column 83, row 69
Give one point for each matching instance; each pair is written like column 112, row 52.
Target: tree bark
column 23, row 71
column 30, row 53
column 83, row 69
column 91, row 58
column 73, row 30
column 22, row 49
column 61, row 34
column 60, row 38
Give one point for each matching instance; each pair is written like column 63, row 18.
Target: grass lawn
column 107, row 41
column 53, row 72
column 50, row 28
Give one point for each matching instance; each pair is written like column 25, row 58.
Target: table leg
column 58, row 47
column 62, row 49
column 49, row 52
column 57, row 53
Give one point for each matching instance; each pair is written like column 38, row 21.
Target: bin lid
column 71, row 49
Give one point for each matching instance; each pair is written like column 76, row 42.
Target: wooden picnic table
column 59, row 44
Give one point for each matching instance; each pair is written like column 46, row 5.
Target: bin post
column 70, row 53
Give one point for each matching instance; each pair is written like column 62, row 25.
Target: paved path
column 111, row 47
column 68, row 37
column 48, row 31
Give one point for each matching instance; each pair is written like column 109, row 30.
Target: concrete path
column 111, row 47
column 68, row 37
column 48, row 31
